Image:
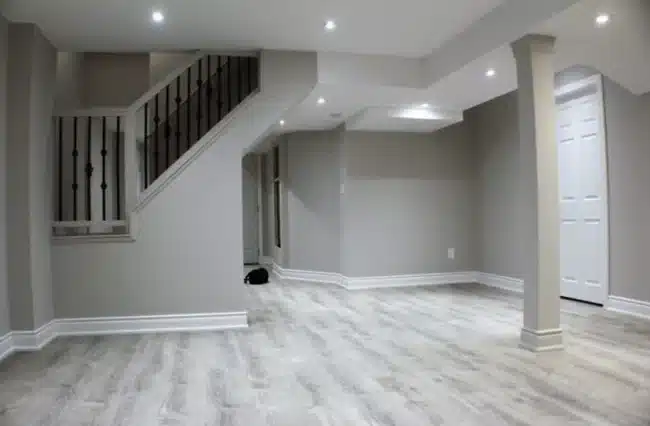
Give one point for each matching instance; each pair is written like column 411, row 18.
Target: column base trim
column 542, row 340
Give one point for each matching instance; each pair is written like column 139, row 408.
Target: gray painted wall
column 313, row 190
column 251, row 209
column 187, row 258
column 4, row 290
column 282, row 255
column 114, row 79
column 494, row 126
column 161, row 64
column 188, row 253
column 496, row 144
column 32, row 72
column 408, row 198
column 69, row 80
column 628, row 138
column 267, row 204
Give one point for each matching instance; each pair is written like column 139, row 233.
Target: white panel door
column 250, row 209
column 583, row 201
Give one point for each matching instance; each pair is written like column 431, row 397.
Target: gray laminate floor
column 318, row 355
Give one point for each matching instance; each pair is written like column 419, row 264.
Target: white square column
column 539, row 192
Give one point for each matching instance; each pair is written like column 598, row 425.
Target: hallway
column 320, row 355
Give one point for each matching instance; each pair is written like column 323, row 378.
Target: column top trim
column 533, row 42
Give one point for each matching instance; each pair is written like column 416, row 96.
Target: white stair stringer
column 187, row 252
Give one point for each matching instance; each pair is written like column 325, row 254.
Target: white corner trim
column 152, row 324
column 6, row 346
column 499, row 281
column 364, row 283
column 627, row 306
column 308, row 276
column 34, row 340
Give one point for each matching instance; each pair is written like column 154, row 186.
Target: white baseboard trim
column 366, row 283
column 308, row 276
column 6, row 346
column 498, row 281
column 34, row 340
column 151, row 324
column 16, row 341
column 627, row 306
column 394, row 281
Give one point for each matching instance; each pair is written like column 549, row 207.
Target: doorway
column 582, row 157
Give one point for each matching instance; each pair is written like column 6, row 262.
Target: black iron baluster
column 188, row 102
column 167, row 129
column 89, row 169
column 199, row 84
column 156, row 143
column 228, row 86
column 60, row 171
column 248, row 76
column 219, row 88
column 178, row 117
column 251, row 76
column 118, row 171
column 239, row 80
column 75, row 158
column 209, row 89
column 104, row 152
column 146, row 145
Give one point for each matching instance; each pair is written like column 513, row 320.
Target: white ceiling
column 362, row 88
column 620, row 50
column 404, row 27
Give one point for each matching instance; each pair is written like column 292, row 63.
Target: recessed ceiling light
column 281, row 122
column 157, row 16
column 602, row 19
column 330, row 25
column 425, row 106
column 491, row 72
column 321, row 101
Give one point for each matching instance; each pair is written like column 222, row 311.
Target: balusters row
column 192, row 104
column 88, row 169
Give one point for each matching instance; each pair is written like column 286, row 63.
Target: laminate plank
column 319, row 355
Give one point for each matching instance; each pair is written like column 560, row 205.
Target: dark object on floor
column 257, row 276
